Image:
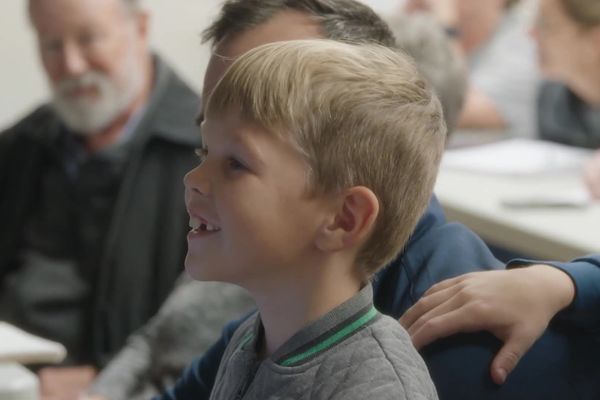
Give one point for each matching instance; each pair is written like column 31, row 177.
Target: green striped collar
column 328, row 331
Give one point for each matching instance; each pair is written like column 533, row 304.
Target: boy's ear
column 352, row 222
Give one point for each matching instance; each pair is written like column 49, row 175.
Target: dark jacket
column 565, row 118
column 145, row 245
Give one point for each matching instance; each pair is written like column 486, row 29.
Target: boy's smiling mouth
column 198, row 225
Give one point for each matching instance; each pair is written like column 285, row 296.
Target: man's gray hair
column 132, row 6
column 341, row 20
column 424, row 39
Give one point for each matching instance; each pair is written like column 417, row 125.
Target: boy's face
column 250, row 190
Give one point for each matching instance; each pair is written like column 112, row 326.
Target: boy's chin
column 202, row 270
column 195, row 269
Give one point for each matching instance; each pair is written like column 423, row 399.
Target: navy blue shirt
column 563, row 364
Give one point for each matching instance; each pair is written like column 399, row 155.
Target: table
column 546, row 233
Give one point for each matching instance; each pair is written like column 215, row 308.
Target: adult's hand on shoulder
column 591, row 175
column 514, row 305
column 65, row 383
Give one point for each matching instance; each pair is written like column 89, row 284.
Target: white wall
column 21, row 83
column 176, row 28
column 175, row 33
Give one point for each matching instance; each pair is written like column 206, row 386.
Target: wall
column 176, row 28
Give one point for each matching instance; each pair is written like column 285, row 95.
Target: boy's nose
column 196, row 181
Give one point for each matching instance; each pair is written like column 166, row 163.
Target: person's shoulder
column 171, row 110
column 30, row 127
column 446, row 250
column 174, row 86
column 36, row 118
column 380, row 362
column 553, row 95
column 399, row 356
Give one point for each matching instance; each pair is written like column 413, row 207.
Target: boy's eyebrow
column 248, row 151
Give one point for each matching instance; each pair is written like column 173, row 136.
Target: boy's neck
column 286, row 308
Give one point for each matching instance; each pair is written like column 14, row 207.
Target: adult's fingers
column 445, row 284
column 509, row 356
column 427, row 303
column 443, row 325
column 591, row 176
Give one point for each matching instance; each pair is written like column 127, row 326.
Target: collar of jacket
column 170, row 110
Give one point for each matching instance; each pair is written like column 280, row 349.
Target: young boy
column 319, row 159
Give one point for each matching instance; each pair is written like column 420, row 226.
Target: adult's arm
column 501, row 90
column 515, row 305
column 186, row 325
column 439, row 251
column 198, row 379
column 128, row 370
column 583, row 312
column 591, row 175
column 480, row 111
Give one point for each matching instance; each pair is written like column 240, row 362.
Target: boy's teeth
column 209, row 228
column 194, row 223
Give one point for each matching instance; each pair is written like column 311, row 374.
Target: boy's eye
column 235, row 165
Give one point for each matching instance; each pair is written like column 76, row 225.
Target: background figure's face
column 476, row 19
column 93, row 52
column 467, row 11
column 565, row 50
column 289, row 25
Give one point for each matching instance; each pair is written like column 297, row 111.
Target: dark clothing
column 565, row 118
column 109, row 234
column 63, row 242
column 563, row 364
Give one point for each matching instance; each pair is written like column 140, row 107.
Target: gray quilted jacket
column 353, row 352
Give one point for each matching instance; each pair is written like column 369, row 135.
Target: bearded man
column 91, row 213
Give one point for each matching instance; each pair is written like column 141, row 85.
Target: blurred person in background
column 93, row 221
column 568, row 37
column 492, row 36
column 425, row 40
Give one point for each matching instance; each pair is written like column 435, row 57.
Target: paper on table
column 18, row 383
column 22, row 347
column 573, row 199
column 517, row 157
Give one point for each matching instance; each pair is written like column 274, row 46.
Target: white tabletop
column 548, row 233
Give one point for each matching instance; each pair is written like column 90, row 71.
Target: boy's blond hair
column 359, row 114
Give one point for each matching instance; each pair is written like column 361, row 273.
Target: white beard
column 88, row 116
